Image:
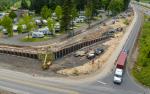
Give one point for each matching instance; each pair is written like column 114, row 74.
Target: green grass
column 30, row 39
column 144, row 0
column 145, row 6
column 78, row 25
column 141, row 70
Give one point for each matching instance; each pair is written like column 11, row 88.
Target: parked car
column 54, row 16
column 91, row 55
column 73, row 22
column 45, row 31
column 112, row 31
column 109, row 32
column 44, row 22
column 37, row 35
column 101, row 11
column 38, row 22
column 24, row 27
column 2, row 15
column 99, row 51
column 77, row 20
column 4, row 31
column 119, row 29
column 113, row 22
column 15, row 27
column 1, row 27
column 57, row 27
column 80, row 53
column 104, row 24
column 82, row 17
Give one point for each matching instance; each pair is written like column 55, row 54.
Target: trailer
column 120, row 66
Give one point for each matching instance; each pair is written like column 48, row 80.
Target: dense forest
column 80, row 4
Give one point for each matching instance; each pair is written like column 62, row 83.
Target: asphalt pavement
column 128, row 82
column 26, row 84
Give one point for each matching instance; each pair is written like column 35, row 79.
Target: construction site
column 69, row 55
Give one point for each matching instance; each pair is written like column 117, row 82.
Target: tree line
column 70, row 7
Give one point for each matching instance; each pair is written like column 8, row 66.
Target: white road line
column 102, row 82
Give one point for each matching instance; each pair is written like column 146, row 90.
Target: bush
column 126, row 22
column 12, row 15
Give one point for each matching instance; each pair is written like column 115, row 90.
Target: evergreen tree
column 138, row 0
column 66, row 17
column 54, row 3
column 95, row 6
column 37, row 5
column 58, row 12
column 12, row 15
column 45, row 12
column 88, row 12
column 24, row 4
column 74, row 12
column 126, row 4
column 20, row 29
column 51, row 25
column 105, row 3
column 116, row 6
column 80, row 4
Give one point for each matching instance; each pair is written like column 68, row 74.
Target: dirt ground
column 97, row 63
column 93, row 65
column 33, row 66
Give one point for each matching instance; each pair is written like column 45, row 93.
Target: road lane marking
column 39, row 85
column 102, row 82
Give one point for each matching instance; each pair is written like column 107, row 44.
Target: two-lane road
column 32, row 85
column 128, row 82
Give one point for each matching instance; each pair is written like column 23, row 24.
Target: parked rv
column 37, row 35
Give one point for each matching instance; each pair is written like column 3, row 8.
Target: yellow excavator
column 46, row 63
